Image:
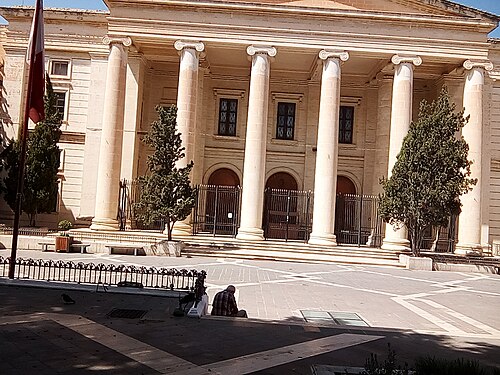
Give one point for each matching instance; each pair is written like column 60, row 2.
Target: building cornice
column 54, row 14
column 168, row 30
column 489, row 23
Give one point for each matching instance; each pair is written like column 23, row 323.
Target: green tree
column 431, row 172
column 42, row 163
column 166, row 190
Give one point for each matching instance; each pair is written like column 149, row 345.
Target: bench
column 82, row 247
column 45, row 244
column 124, row 248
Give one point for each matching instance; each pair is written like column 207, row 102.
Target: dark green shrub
column 439, row 366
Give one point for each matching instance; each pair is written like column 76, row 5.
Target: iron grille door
column 357, row 221
column 287, row 214
column 217, row 210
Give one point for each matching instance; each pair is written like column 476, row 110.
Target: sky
column 492, row 6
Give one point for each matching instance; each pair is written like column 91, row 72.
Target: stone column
column 110, row 154
column 469, row 227
column 325, row 178
column 186, row 110
column 383, row 130
column 254, row 167
column 401, row 116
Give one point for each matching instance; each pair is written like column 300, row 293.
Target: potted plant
column 63, row 240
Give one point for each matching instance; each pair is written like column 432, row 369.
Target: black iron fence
column 217, row 210
column 130, row 193
column 357, row 221
column 441, row 239
column 103, row 274
column 287, row 214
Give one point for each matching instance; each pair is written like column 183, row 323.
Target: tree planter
column 63, row 243
column 169, row 248
column 175, row 248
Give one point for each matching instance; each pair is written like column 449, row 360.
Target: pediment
column 421, row 7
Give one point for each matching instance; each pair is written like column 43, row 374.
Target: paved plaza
column 290, row 329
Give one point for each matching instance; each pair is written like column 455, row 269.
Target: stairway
column 287, row 251
column 229, row 247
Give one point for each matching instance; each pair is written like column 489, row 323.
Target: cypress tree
column 42, row 163
column 166, row 192
column 431, row 172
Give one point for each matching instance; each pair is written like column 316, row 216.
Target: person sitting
column 225, row 304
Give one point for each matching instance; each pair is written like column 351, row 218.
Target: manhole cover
column 332, row 317
column 126, row 313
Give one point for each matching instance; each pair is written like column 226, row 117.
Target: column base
column 396, row 245
column 468, row 249
column 104, row 224
column 250, row 234
column 325, row 239
column 181, row 228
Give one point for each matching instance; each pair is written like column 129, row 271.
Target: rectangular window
column 59, row 68
column 228, row 110
column 346, row 124
column 61, row 102
column 285, row 122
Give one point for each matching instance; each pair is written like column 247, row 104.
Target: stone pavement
column 442, row 313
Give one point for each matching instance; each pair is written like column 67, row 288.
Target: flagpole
column 22, row 156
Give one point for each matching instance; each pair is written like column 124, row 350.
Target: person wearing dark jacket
column 224, row 304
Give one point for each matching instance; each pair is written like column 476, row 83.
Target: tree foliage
column 42, row 163
column 431, row 172
column 166, row 193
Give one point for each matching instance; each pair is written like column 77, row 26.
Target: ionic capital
column 326, row 54
column 398, row 59
column 485, row 64
column 267, row 50
column 126, row 41
column 179, row 45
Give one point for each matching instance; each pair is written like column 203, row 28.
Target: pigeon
column 67, row 300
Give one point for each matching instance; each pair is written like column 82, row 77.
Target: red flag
column 36, row 62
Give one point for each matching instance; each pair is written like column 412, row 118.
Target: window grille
column 285, row 123
column 228, row 110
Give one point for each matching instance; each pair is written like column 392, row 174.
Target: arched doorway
column 281, row 180
column 283, row 208
column 345, row 185
column 218, row 204
column 224, row 177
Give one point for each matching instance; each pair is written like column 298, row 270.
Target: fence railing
column 104, row 274
column 40, row 232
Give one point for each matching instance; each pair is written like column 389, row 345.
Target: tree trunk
column 170, row 227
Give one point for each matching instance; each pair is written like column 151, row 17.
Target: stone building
column 298, row 95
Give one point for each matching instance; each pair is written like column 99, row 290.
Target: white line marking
column 428, row 316
column 143, row 353
column 280, row 356
column 492, row 331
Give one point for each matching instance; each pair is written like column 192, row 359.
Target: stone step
column 290, row 256
column 306, row 254
column 288, row 251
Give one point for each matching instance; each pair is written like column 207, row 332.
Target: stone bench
column 124, row 248
column 45, row 244
column 81, row 247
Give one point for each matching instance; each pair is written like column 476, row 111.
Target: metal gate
column 441, row 239
column 357, row 221
column 287, row 214
column 217, row 210
column 130, row 192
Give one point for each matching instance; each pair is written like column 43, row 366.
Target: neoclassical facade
column 300, row 95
